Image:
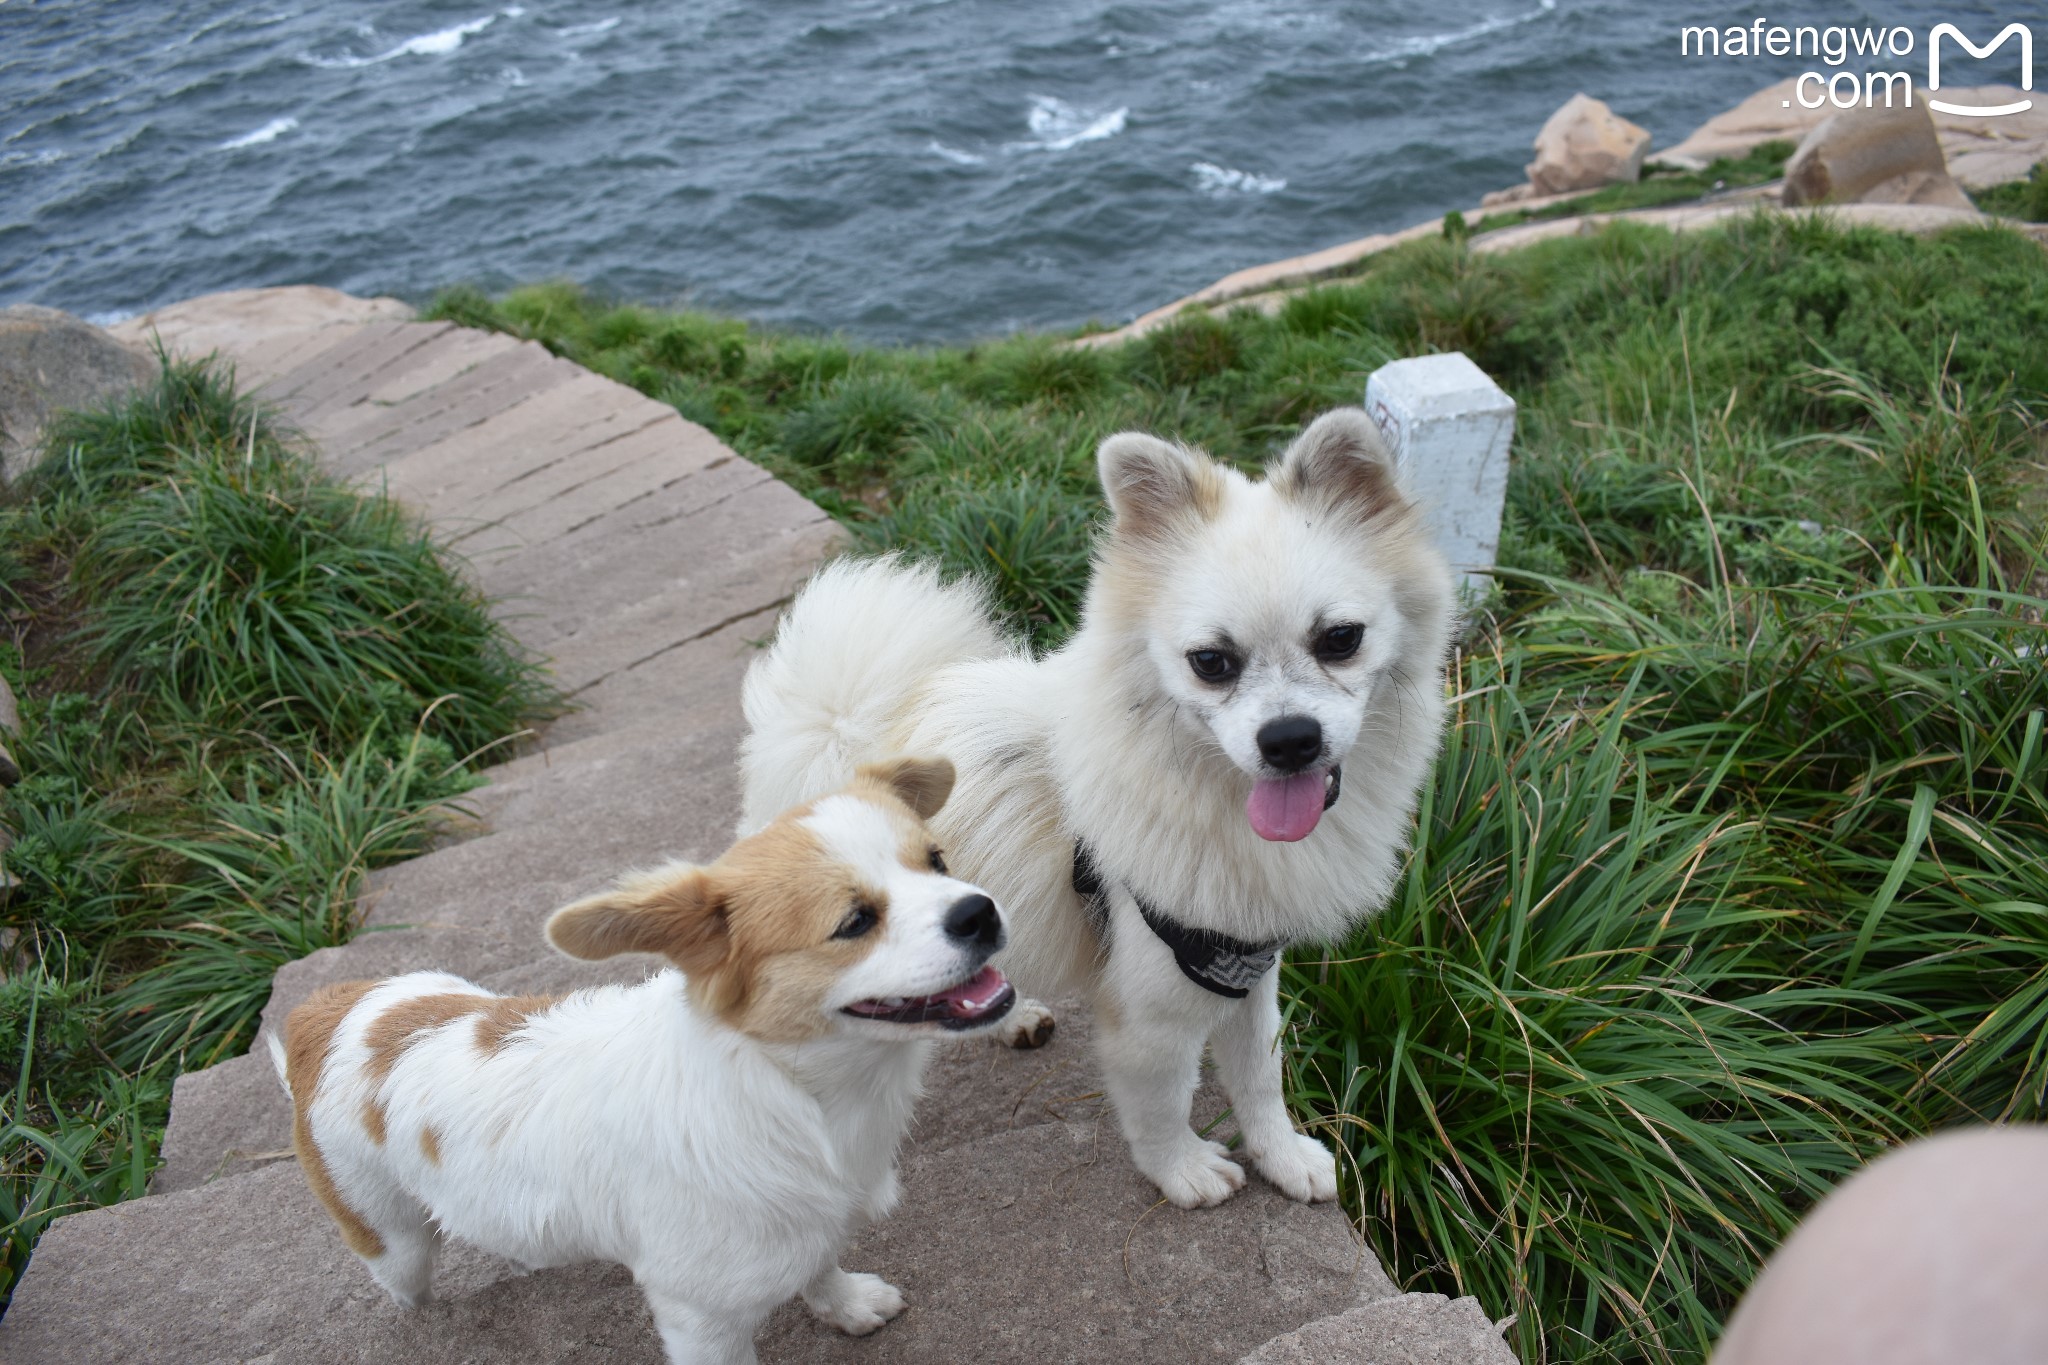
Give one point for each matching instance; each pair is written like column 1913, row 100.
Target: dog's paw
column 1196, row 1174
column 1030, row 1025
column 1302, row 1168
column 857, row 1303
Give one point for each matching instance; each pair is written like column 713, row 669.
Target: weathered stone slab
column 451, row 474
column 231, row 1118
column 452, row 353
column 435, row 415
column 1415, row 1329
column 741, row 547
column 668, row 681
column 243, row 323
column 346, row 369
column 594, row 482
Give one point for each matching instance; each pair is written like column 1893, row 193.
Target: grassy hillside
column 1735, row 869
column 242, row 687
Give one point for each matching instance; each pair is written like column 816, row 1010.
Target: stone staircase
column 646, row 559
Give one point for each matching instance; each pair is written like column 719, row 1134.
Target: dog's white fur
column 1113, row 740
column 651, row 1125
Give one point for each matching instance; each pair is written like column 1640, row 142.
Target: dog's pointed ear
column 1151, row 484
column 923, row 784
column 676, row 911
column 1344, row 460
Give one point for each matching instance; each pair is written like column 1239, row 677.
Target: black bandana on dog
column 1226, row 966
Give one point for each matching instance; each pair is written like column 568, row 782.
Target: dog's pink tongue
column 974, row 995
column 1284, row 809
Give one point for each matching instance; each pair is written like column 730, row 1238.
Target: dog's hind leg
column 405, row 1267
column 691, row 1335
column 1246, row 1046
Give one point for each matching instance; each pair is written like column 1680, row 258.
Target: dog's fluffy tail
column 277, row 1061
column 852, row 655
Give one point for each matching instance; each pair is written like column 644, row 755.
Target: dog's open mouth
column 981, row 999
column 1284, row 809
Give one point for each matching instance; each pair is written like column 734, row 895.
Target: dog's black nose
column 973, row 919
column 1291, row 743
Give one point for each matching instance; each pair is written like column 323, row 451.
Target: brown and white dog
column 721, row 1129
column 1157, row 804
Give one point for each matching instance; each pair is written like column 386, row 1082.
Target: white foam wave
column 954, row 154
column 1220, row 182
column 269, row 132
column 437, row 44
column 513, row 77
column 1057, row 125
column 587, row 30
column 43, row 158
column 1428, row 43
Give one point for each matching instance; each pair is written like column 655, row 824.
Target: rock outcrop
column 1980, row 152
column 1872, row 156
column 1585, row 145
column 50, row 361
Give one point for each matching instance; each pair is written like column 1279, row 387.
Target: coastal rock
column 1980, row 152
column 1872, row 156
column 1585, row 145
column 50, row 361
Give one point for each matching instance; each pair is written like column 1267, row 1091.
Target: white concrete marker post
column 1450, row 427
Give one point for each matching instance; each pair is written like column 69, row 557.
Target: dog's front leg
column 1151, row 1060
column 691, row 1335
column 1246, row 1046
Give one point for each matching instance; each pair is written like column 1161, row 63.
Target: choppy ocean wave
column 1056, row 125
column 439, row 43
column 269, row 132
column 1429, row 44
column 1221, row 182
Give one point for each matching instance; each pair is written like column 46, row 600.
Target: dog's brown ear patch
column 923, row 784
column 1344, row 459
column 1152, row 484
column 676, row 911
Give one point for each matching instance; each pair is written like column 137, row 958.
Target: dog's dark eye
column 1339, row 642
column 938, row 862
column 858, row 921
column 1213, row 665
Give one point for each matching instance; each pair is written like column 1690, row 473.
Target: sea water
column 896, row 169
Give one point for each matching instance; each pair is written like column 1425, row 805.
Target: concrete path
column 646, row 560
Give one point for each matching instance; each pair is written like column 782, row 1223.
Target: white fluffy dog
column 1158, row 802
column 721, row 1135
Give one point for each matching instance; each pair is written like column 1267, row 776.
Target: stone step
column 1033, row 1245
column 369, row 435
column 1414, row 1329
column 343, row 371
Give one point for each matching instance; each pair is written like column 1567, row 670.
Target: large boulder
column 1872, row 156
column 50, row 361
column 1585, row 145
